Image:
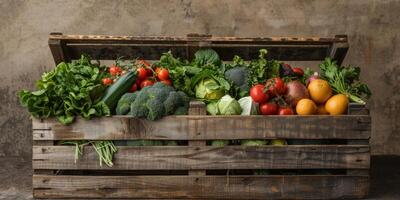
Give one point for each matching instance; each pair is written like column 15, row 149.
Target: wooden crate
column 337, row 168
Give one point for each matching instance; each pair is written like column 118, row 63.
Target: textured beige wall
column 373, row 28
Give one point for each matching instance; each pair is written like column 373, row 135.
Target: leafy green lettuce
column 69, row 90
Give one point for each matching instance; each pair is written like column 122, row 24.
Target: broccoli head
column 154, row 102
column 124, row 103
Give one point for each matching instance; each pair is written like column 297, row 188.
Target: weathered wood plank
column 110, row 47
column 209, row 128
column 208, row 187
column 197, row 108
column 85, row 38
column 208, row 157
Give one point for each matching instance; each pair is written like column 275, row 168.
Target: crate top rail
column 104, row 47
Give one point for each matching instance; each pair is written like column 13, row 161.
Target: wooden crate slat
column 187, row 187
column 87, row 38
column 208, row 157
column 131, row 47
column 208, row 127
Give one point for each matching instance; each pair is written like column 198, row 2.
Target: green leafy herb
column 345, row 80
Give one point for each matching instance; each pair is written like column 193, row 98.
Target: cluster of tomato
column 145, row 75
column 269, row 94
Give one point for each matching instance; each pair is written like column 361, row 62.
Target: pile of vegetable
column 153, row 90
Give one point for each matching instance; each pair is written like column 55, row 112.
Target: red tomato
column 138, row 82
column 257, row 93
column 298, row 71
column 276, row 86
column 147, row 82
column 167, row 82
column 269, row 109
column 133, row 88
column 149, row 71
column 114, row 70
column 142, row 73
column 286, row 111
column 157, row 69
column 163, row 74
column 143, row 62
column 107, row 81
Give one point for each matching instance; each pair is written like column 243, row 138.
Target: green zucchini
column 119, row 88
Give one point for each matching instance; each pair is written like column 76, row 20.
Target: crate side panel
column 208, row 157
column 208, row 128
column 209, row 187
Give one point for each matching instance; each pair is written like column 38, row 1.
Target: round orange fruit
column 319, row 90
column 321, row 110
column 337, row 105
column 306, row 107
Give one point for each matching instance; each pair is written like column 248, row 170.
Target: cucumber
column 119, row 88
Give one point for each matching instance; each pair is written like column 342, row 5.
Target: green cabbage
column 249, row 107
column 225, row 106
column 278, row 142
column 219, row 143
column 206, row 57
column 253, row 142
column 229, row 106
column 209, row 89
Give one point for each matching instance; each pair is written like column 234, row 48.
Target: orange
column 306, row 107
column 337, row 104
column 321, row 110
column 319, row 90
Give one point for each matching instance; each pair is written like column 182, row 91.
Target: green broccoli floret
column 172, row 102
column 156, row 109
column 124, row 103
column 183, row 110
column 154, row 102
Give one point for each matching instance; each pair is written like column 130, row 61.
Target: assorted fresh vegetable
column 153, row 90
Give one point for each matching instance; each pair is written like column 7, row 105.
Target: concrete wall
column 373, row 28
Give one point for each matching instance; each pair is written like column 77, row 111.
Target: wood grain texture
column 105, row 47
column 197, row 108
column 207, row 128
column 194, row 37
column 208, row 157
column 207, row 187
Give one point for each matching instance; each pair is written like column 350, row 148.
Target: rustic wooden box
column 338, row 168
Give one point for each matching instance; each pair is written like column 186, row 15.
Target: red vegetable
column 107, row 81
column 276, row 86
column 114, row 70
column 147, row 82
column 133, row 88
column 149, row 72
column 269, row 109
column 286, row 111
column 296, row 92
column 257, row 93
column 142, row 73
column 312, row 77
column 163, row 74
column 298, row 71
column 167, row 82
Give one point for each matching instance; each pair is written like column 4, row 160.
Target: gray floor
column 15, row 178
